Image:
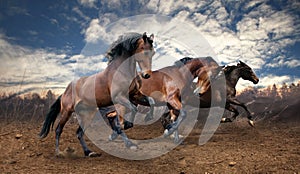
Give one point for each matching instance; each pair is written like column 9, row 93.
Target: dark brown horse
column 166, row 86
column 86, row 94
column 232, row 75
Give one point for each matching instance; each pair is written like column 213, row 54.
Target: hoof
column 226, row 120
column 173, row 136
column 178, row 141
column 113, row 136
column 251, row 122
column 148, row 118
column 223, row 120
column 94, row 154
column 131, row 146
column 166, row 133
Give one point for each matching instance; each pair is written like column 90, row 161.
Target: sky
column 46, row 44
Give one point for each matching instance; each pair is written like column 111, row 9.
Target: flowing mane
column 182, row 61
column 125, row 43
column 185, row 60
column 228, row 69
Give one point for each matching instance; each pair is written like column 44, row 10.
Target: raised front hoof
column 251, row 123
column 226, row 120
column 130, row 145
column 148, row 118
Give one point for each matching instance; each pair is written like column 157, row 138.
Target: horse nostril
column 146, row 76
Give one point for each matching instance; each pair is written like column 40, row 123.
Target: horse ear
column 144, row 35
column 241, row 63
column 151, row 37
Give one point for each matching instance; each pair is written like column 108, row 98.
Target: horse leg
column 238, row 103
column 167, row 124
column 173, row 127
column 149, row 115
column 111, row 119
column 119, row 131
column 65, row 115
column 125, row 103
column 115, row 121
column 177, row 113
column 86, row 150
column 232, row 109
column 166, row 120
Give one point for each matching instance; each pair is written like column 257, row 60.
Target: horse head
column 247, row 73
column 144, row 53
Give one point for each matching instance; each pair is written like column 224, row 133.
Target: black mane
column 125, row 43
column 228, row 69
column 182, row 61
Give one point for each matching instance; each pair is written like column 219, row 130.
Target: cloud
column 273, row 79
column 268, row 80
column 23, row 67
column 15, row 10
column 81, row 14
column 88, row 3
column 257, row 33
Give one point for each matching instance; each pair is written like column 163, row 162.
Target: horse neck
column 191, row 68
column 233, row 77
column 126, row 65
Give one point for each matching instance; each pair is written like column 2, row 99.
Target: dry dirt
column 269, row 147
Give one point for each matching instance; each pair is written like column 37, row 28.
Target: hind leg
column 59, row 129
column 117, row 130
column 175, row 123
column 86, row 150
column 238, row 103
column 149, row 115
column 116, row 122
column 232, row 109
column 177, row 113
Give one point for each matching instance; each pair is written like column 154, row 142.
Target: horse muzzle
column 146, row 75
column 255, row 80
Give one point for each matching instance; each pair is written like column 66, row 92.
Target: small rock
column 232, row 163
column 12, row 162
column 18, row 136
column 32, row 155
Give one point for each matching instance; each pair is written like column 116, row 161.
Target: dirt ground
column 269, row 147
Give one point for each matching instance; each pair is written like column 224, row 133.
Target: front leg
column 174, row 126
column 238, row 103
column 149, row 115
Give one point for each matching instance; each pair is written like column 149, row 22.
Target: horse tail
column 50, row 118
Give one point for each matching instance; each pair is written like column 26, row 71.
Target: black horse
column 232, row 75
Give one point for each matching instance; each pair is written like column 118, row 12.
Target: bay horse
column 166, row 86
column 80, row 98
column 232, row 75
